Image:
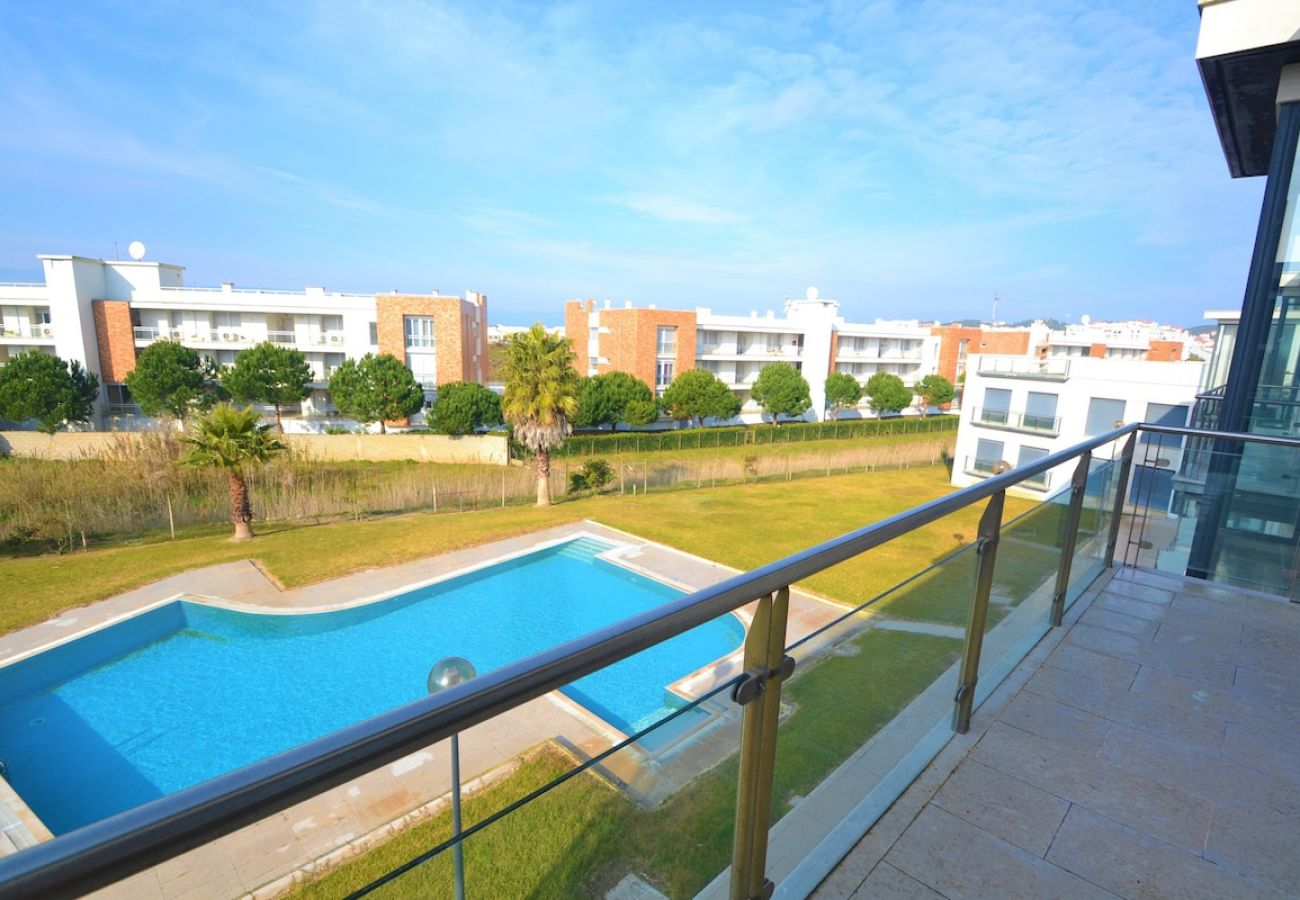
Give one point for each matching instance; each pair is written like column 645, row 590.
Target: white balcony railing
column 33, row 332
column 1025, row 367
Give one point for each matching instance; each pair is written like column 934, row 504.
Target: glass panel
column 1103, row 415
column 987, row 451
column 575, row 814
column 1245, row 499
column 997, row 402
column 1094, row 526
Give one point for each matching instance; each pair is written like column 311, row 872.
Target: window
column 419, row 332
column 663, row 373
column 987, row 455
column 226, row 321
column 997, row 406
column 42, row 317
column 374, row 334
column 1029, row 455
column 1040, row 411
column 666, row 345
column 1103, row 415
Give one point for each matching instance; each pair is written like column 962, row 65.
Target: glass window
column 667, row 340
column 42, row 317
column 1040, row 411
column 663, row 373
column 988, row 451
column 424, row 367
column 1104, row 414
column 374, row 334
column 1030, row 454
column 419, row 332
column 997, row 406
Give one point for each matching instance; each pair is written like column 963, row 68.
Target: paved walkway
column 262, row 859
column 1150, row 753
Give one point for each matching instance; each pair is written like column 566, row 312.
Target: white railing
column 38, row 332
column 282, row 337
column 1025, row 367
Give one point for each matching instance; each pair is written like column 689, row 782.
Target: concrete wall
column 489, row 449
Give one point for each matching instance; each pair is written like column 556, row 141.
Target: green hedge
column 737, row 436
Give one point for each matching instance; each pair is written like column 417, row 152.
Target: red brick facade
column 977, row 341
column 631, row 343
column 461, row 353
column 116, row 340
column 1165, row 351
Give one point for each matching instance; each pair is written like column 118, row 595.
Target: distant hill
column 1203, row 329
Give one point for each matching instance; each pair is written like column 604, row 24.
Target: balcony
column 1025, row 367
column 1051, row 709
column 1009, row 420
column 986, row 468
column 25, row 333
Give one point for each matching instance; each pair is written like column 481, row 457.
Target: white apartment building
column 1020, row 409
column 655, row 345
column 103, row 312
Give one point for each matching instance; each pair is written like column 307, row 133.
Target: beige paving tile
column 1130, row 606
column 1260, row 843
column 1136, row 866
column 1123, row 587
column 960, row 860
column 1066, row 725
column 1002, row 805
column 1124, row 623
column 142, row 886
column 887, row 883
column 1159, row 810
column 206, row 871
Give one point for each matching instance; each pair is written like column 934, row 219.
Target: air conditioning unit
column 177, row 334
column 336, row 339
column 227, row 336
column 47, row 332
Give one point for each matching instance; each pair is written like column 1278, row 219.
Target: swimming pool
column 187, row 691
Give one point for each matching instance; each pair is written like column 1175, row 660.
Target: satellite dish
column 811, row 293
column 136, row 249
column 1085, row 319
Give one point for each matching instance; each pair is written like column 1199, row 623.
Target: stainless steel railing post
column 1078, row 490
column 1121, row 489
column 986, row 549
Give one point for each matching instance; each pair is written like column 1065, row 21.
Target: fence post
column 986, row 551
column 503, row 488
column 1121, row 489
column 759, row 692
column 1078, row 490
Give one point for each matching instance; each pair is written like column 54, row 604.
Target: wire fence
column 59, row 506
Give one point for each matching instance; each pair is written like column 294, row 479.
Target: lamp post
column 447, row 673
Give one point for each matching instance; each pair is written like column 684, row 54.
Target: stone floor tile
column 1124, row 587
column 1268, row 687
column 1271, row 750
column 1002, row 805
column 1130, row 606
column 959, row 860
column 264, row 851
column 887, row 883
column 1163, row 812
column 1058, row 722
column 142, row 886
column 1118, row 621
column 1260, row 843
column 1136, row 866
column 203, row 872
column 1110, row 670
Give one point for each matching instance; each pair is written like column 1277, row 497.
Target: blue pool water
column 185, row 692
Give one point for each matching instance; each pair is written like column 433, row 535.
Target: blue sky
column 909, row 158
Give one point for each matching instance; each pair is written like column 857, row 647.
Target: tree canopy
column 698, row 393
column 170, row 379
column 614, row 397
column 781, row 391
column 270, row 374
column 541, row 396
column 842, row 390
column 934, row 390
column 376, row 389
column 464, row 406
column 40, row 386
column 887, row 393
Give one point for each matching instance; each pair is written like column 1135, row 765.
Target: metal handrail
column 105, row 851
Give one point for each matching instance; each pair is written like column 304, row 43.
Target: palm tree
column 230, row 437
column 541, row 396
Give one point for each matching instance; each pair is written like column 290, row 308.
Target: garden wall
column 488, row 449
